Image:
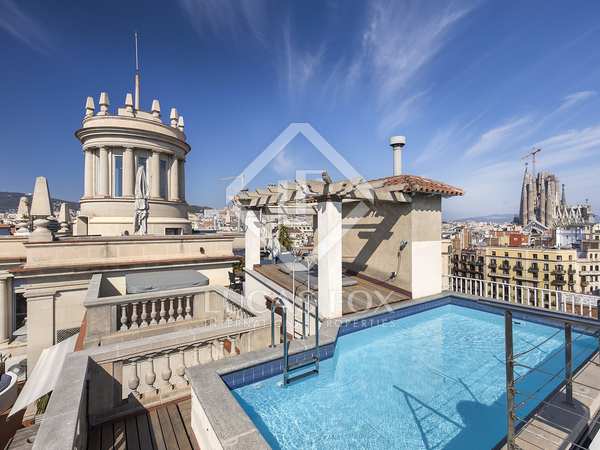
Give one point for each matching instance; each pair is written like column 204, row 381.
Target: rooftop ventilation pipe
column 397, row 143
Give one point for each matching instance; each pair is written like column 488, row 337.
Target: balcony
column 558, row 271
column 533, row 269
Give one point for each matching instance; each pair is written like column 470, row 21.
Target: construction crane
column 532, row 154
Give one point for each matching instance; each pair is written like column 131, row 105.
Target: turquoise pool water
column 432, row 380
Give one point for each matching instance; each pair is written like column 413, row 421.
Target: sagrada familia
column 543, row 202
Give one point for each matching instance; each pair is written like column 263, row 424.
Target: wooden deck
column 166, row 427
column 366, row 294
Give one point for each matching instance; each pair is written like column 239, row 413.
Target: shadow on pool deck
column 479, row 420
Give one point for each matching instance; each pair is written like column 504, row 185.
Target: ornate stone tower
column 115, row 146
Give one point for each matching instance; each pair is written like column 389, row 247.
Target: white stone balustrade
column 156, row 311
column 158, row 373
column 129, row 314
column 555, row 300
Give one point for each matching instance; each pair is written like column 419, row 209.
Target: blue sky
column 472, row 84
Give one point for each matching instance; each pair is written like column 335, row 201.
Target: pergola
column 324, row 198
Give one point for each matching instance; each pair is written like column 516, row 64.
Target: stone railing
column 108, row 381
column 136, row 313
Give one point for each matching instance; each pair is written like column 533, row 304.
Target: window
column 535, row 256
column 546, row 257
column 118, row 175
column 143, row 162
column 559, row 258
column 163, row 178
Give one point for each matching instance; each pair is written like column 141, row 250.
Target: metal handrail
column 311, row 299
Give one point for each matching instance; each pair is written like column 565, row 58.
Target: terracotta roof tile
column 414, row 183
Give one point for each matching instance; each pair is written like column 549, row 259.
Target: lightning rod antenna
column 137, row 75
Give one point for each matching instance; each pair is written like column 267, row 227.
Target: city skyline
column 471, row 98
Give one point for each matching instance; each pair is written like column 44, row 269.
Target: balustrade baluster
column 123, row 318
column 188, row 308
column 153, row 313
column 144, row 317
column 162, row 312
column 179, row 309
column 134, row 381
column 171, row 310
column 167, row 373
column 150, row 377
column 134, row 316
column 181, row 368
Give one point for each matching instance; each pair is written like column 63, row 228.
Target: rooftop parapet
column 175, row 119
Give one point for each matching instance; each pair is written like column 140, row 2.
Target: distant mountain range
column 492, row 218
column 9, row 202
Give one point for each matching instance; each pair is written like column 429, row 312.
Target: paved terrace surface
column 556, row 422
column 166, row 427
column 366, row 294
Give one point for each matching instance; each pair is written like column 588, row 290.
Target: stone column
column 40, row 323
column 103, row 173
column 5, row 306
column 252, row 239
column 88, row 183
column 329, row 251
column 155, row 175
column 182, row 179
column 128, row 172
column 174, row 180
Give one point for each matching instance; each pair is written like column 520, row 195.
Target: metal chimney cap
column 398, row 140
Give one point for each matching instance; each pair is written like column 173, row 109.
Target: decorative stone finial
column 23, row 208
column 41, row 206
column 89, row 107
column 174, row 116
column 104, row 103
column 129, row 102
column 180, row 123
column 64, row 218
column 156, row 108
column 41, row 233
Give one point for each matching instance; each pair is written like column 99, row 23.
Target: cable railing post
column 510, row 381
column 568, row 363
column 304, row 315
column 285, row 344
column 273, row 305
column 317, row 334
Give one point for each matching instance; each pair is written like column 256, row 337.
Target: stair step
column 302, row 376
column 302, row 364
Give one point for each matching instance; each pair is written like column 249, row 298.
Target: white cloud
column 441, row 142
column 569, row 146
column 16, row 22
column 300, row 66
column 402, row 37
column 497, row 138
column 394, row 116
column 573, row 99
column 227, row 17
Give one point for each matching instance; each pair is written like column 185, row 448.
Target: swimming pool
column 434, row 379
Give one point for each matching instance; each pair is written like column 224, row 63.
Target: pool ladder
column 313, row 361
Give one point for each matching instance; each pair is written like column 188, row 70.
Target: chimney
column 397, row 143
